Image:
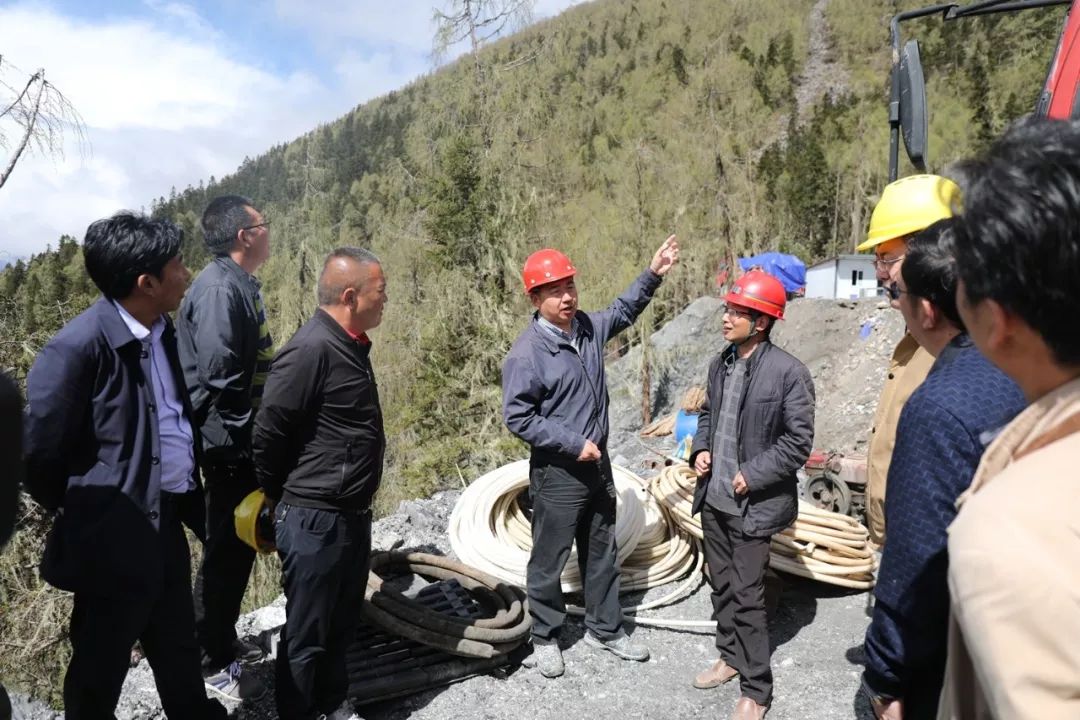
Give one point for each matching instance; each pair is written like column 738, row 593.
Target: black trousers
column 226, row 563
column 104, row 629
column 324, row 562
column 567, row 507
column 737, row 575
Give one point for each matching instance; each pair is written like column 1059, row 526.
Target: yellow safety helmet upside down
column 909, row 205
column 255, row 523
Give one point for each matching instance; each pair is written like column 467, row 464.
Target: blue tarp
column 788, row 269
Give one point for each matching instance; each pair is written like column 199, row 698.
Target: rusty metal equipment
column 836, row 482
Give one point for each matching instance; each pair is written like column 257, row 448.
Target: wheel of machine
column 828, row 492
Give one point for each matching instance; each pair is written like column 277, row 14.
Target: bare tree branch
column 18, row 101
column 42, row 117
column 29, row 133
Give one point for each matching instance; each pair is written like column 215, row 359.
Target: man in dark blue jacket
column 555, row 398
column 225, row 350
column 943, row 430
column 111, row 450
column 755, row 431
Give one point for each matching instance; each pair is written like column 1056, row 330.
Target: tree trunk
column 29, row 129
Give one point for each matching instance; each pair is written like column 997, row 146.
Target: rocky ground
column 816, row 630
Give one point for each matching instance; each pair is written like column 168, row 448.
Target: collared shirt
column 175, row 437
column 572, row 337
column 725, row 460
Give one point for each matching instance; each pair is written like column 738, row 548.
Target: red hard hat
column 546, row 266
column 759, row 291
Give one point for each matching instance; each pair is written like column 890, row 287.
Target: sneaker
column 248, row 650
column 619, row 647
column 233, row 683
column 547, row 658
column 345, row 712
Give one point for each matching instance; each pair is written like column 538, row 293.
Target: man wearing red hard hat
column 555, row 399
column 755, row 431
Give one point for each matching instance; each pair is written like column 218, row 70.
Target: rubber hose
column 396, row 613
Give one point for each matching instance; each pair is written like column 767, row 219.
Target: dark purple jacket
column 93, row 456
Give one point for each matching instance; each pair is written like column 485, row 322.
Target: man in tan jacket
column 1014, row 639
column 907, row 206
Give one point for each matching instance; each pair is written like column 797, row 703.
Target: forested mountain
column 740, row 125
column 598, row 132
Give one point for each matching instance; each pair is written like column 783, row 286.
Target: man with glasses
column 755, row 431
column 941, row 435
column 225, row 351
column 907, row 206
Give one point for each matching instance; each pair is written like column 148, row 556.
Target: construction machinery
column 835, row 482
column 908, row 112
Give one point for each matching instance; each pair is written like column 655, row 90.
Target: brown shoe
column 717, row 675
column 747, row 709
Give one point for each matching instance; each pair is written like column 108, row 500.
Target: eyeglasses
column 894, row 292
column 728, row 310
column 264, row 223
column 880, row 264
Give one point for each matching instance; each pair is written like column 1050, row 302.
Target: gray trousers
column 571, row 506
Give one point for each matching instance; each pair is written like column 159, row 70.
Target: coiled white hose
column 820, row 545
column 488, row 531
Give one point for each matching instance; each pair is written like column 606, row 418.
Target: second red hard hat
column 759, row 291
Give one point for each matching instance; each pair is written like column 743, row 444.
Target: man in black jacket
column 111, row 449
column 555, row 398
column 225, row 350
column 755, row 430
column 318, row 448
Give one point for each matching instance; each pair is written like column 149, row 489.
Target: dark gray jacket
column 554, row 398
column 775, row 435
column 217, row 330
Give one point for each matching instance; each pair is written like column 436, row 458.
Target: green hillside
column 598, row 132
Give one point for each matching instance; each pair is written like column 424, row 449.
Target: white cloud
column 167, row 105
column 162, row 109
column 185, row 14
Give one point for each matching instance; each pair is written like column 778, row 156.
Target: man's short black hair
column 223, row 218
column 929, row 268
column 118, row 249
column 1018, row 238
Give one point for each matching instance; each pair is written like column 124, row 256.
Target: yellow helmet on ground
column 255, row 523
column 909, row 205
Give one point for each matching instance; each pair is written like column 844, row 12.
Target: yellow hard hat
column 255, row 523
column 909, row 205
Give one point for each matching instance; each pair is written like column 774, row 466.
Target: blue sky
column 173, row 92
